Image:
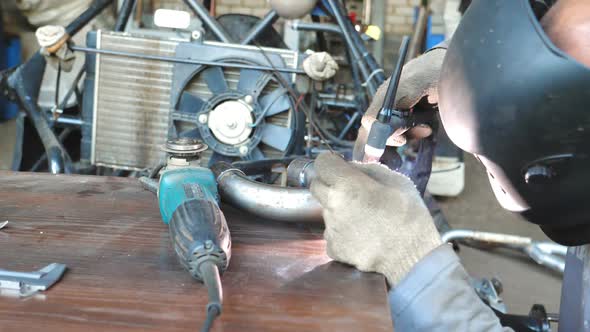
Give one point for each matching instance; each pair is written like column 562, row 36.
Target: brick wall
column 400, row 15
column 251, row 7
column 399, row 19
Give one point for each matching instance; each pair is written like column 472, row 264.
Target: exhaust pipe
column 263, row 200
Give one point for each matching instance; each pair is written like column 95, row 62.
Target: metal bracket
column 489, row 291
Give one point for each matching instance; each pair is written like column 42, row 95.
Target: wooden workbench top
column 123, row 276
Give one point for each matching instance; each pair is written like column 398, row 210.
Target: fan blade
column 276, row 136
column 249, row 81
column 256, row 154
column 191, row 133
column 190, row 103
column 215, row 79
column 278, row 101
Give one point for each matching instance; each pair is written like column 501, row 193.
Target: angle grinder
column 189, row 204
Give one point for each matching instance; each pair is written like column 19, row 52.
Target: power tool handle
column 199, row 231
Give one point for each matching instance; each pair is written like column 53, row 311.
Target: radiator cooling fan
column 239, row 113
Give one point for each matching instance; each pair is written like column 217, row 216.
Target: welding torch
column 389, row 119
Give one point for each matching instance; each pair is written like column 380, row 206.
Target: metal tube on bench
column 272, row 202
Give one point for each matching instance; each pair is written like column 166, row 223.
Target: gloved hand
column 320, row 66
column 419, row 79
column 375, row 218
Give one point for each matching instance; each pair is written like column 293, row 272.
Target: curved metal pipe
column 485, row 237
column 267, row 201
column 548, row 254
column 301, row 172
column 25, row 83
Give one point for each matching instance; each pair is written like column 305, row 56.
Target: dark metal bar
column 344, row 23
column 419, row 33
column 376, row 73
column 68, row 120
column 187, row 61
column 339, row 103
column 124, row 14
column 209, row 21
column 87, row 16
column 72, row 89
column 25, row 82
column 389, row 103
column 355, row 117
column 321, row 27
column 268, row 19
column 17, row 156
column 63, row 135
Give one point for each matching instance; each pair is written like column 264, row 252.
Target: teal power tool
column 189, row 204
column 388, row 119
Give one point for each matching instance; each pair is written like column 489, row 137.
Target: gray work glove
column 419, row 80
column 375, row 218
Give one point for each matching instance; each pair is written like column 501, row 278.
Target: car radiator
column 127, row 101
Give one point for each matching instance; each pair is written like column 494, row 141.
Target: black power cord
column 212, row 313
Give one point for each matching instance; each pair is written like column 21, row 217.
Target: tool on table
column 28, row 283
column 388, row 119
column 188, row 200
column 548, row 254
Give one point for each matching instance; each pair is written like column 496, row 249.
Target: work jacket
column 436, row 296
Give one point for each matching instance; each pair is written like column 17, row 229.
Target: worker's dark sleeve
column 436, row 296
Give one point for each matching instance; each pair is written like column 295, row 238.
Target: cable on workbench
column 212, row 313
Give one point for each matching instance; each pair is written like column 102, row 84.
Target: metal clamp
column 29, row 283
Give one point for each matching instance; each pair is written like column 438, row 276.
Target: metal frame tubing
column 345, row 26
column 315, row 27
column 269, row 19
column 209, row 21
column 96, row 8
column 25, row 81
column 124, row 13
column 419, row 34
column 332, row 28
column 340, row 14
column 187, row 61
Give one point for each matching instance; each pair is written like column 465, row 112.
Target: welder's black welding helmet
column 522, row 106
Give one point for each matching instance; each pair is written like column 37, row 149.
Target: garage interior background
column 524, row 282
column 394, row 17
